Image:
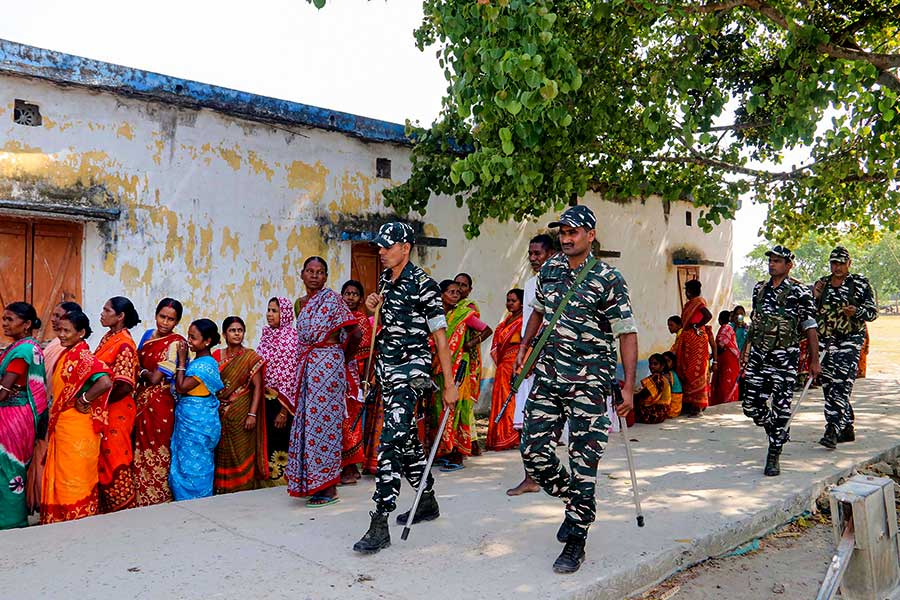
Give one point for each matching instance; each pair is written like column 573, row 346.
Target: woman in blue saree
column 197, row 426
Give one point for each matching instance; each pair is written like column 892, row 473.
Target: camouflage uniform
column 411, row 312
column 843, row 338
column 573, row 376
column 780, row 316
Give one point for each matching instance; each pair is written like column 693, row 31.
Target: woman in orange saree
column 241, row 457
column 155, row 405
column 78, row 415
column 353, row 451
column 728, row 364
column 505, row 346
column 692, row 349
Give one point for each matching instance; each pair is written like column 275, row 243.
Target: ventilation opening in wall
column 688, row 218
column 26, row 114
column 383, row 168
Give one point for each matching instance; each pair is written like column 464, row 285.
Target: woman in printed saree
column 473, row 349
column 197, row 428
column 674, row 384
column 54, row 349
column 314, row 457
column 728, row 363
column 23, row 407
column 653, row 400
column 241, row 460
column 280, row 348
column 456, row 441
column 70, row 488
column 353, row 453
column 507, row 337
column 371, row 425
column 693, row 347
column 118, row 350
column 155, row 404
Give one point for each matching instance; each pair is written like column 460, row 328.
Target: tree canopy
column 793, row 103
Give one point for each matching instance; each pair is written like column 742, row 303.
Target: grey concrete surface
column 701, row 483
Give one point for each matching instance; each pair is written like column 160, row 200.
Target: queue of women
column 138, row 421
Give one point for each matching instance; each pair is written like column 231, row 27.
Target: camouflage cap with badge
column 577, row 216
column 839, row 255
column 394, row 232
column 782, row 252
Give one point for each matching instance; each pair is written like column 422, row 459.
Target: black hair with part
column 173, row 304
column 519, row 292
column 229, row 321
column 693, row 287
column 26, row 312
column 466, row 275
column 445, row 284
column 318, row 259
column 79, row 321
column 543, row 239
column 675, row 319
column 122, row 305
column 208, row 331
column 724, row 317
column 69, row 306
column 354, row 284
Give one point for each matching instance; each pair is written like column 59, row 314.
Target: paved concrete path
column 701, row 483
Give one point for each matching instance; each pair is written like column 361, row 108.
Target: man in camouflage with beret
column 845, row 304
column 411, row 311
column 574, row 375
column 783, row 311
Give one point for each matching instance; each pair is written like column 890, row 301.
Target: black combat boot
column 772, row 467
column 562, row 534
column 377, row 537
column 830, row 438
column 571, row 557
column 847, row 435
column 427, row 510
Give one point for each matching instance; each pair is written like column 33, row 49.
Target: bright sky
column 356, row 56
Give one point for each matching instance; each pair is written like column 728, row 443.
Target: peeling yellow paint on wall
column 259, row 166
column 129, row 274
column 147, row 279
column 109, row 263
column 230, row 156
column 267, row 235
column 356, row 193
column 311, row 178
column 125, row 131
column 46, row 121
column 229, row 242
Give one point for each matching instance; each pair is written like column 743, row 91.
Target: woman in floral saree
column 280, row 348
column 507, row 337
column 692, row 349
column 70, row 488
column 118, row 350
column 23, row 406
column 728, row 364
column 456, row 441
column 241, row 461
column 155, row 416
column 197, row 427
column 353, row 452
column 314, row 458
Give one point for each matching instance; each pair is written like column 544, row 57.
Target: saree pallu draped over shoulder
column 119, row 352
column 19, row 417
column 692, row 355
column 314, row 457
column 352, row 430
column 241, row 462
column 70, row 489
column 155, row 421
column 197, row 432
column 505, row 346
column 457, row 436
column 728, row 367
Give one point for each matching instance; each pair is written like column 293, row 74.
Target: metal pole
column 637, row 499
column 804, row 394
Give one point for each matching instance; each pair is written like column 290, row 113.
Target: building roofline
column 67, row 69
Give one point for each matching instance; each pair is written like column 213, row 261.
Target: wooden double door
column 365, row 266
column 40, row 263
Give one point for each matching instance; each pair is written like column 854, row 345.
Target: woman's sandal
column 450, row 467
column 320, row 501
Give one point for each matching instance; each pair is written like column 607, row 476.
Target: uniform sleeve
column 867, row 310
column 617, row 307
column 430, row 298
column 806, row 308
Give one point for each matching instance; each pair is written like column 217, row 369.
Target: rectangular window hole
column 26, row 114
column 688, row 218
column 383, row 168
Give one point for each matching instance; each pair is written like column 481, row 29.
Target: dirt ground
column 884, row 350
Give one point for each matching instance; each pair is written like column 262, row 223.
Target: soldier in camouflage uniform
column 783, row 310
column 846, row 303
column 411, row 311
column 574, row 375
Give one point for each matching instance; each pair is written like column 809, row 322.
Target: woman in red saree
column 353, row 452
column 728, row 363
column 314, row 457
column 692, row 349
column 78, row 415
column 505, row 346
column 241, row 461
column 155, row 405
column 119, row 352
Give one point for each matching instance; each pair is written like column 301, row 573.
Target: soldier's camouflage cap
column 839, row 255
column 394, row 233
column 577, row 216
column 782, row 251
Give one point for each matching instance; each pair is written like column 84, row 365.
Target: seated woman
column 674, row 383
column 652, row 402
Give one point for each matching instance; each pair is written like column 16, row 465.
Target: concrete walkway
column 701, row 483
